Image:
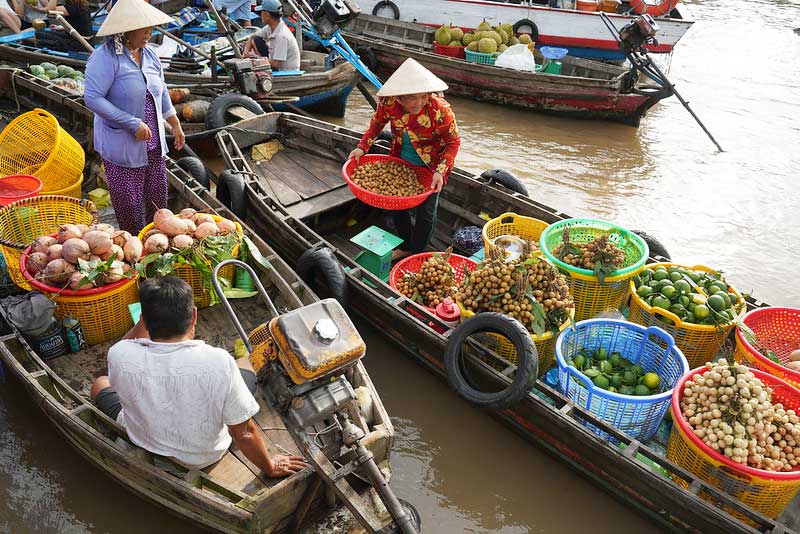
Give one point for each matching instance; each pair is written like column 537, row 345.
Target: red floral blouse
column 433, row 132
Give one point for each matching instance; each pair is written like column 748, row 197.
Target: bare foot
column 398, row 254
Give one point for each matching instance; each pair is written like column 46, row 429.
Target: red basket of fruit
column 387, row 182
column 449, row 50
column 437, row 280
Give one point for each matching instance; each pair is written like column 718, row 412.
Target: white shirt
column 178, row 398
column 282, row 45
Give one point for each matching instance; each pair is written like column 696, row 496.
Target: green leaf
column 252, row 252
column 236, row 293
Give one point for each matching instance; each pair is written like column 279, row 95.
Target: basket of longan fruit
column 387, row 182
column 430, row 277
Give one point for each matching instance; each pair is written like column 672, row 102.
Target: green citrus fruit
column 662, row 302
column 660, row 274
column 651, row 380
column 715, row 302
column 601, row 381
column 641, row 390
column 644, row 291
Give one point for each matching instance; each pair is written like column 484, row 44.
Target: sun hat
column 270, row 6
column 129, row 15
column 411, row 78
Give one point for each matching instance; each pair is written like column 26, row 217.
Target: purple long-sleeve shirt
column 115, row 91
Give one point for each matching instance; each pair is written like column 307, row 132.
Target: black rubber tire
column 320, row 260
column 657, row 249
column 195, row 168
column 506, row 179
column 232, row 193
column 215, row 117
column 387, row 3
column 526, row 22
column 367, row 56
column 527, row 368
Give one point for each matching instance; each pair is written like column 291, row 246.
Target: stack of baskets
column 776, row 330
column 592, row 296
column 35, row 144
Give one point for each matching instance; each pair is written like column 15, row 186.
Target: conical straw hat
column 129, row 15
column 411, row 78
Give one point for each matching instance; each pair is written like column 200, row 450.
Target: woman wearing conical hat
column 424, row 132
column 126, row 91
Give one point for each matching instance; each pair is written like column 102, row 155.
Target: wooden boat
column 582, row 32
column 232, row 495
column 297, row 201
column 585, row 89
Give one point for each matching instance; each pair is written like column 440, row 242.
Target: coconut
column 68, row 231
column 75, row 249
column 133, row 250
column 41, row 244
column 36, row 263
column 99, row 241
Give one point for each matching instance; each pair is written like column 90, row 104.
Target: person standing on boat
column 238, row 10
column 125, row 89
column 424, row 132
column 274, row 40
column 177, row 396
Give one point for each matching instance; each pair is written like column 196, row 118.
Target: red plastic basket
column 778, row 330
column 412, row 264
column 384, row 201
column 18, row 186
column 451, row 51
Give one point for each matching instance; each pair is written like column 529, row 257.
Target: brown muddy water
column 738, row 211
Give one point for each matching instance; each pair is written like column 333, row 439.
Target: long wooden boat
column 582, row 32
column 298, row 201
column 232, row 495
column 585, row 89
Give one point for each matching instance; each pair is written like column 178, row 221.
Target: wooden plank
column 322, row 203
column 326, row 170
column 285, row 194
column 72, row 374
column 232, row 473
column 295, row 176
column 276, row 438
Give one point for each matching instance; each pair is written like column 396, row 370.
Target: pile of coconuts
column 172, row 232
column 63, row 261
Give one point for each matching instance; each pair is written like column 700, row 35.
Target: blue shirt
column 115, row 91
column 409, row 153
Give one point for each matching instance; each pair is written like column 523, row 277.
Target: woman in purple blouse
column 126, row 91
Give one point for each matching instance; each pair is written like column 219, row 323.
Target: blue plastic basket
column 652, row 348
column 478, row 57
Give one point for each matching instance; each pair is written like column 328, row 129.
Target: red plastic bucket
column 17, row 187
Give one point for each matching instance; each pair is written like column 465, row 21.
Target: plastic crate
column 776, row 329
column 509, row 223
column 386, row 202
column 651, row 348
column 592, row 297
column 412, row 264
column 766, row 492
column 478, row 57
column 450, row 51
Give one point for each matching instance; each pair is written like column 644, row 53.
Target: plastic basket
column 36, row 139
column 527, row 228
column 71, row 190
column 766, row 492
column 102, row 311
column 23, row 221
column 18, row 187
column 699, row 342
column 478, row 57
column 651, row 348
column 384, row 201
column 591, row 297
column 202, row 294
column 412, row 264
column 776, row 329
column 450, row 51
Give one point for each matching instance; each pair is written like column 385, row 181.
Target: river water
column 737, row 211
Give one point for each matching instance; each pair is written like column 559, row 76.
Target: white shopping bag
column 517, row 57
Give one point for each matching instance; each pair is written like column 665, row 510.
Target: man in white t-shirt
column 274, row 39
column 177, row 396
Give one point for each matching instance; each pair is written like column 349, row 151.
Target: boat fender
column 527, row 368
column 367, row 56
column 195, row 168
column 232, row 193
column 506, row 179
column 657, row 249
column 526, row 23
column 321, row 261
column 387, row 3
column 216, row 115
column 659, row 9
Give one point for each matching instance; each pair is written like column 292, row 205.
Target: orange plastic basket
column 699, row 342
column 776, row 329
column 385, row 201
column 766, row 492
column 18, row 187
column 36, row 139
column 527, row 228
column 202, row 294
column 412, row 264
column 23, row 221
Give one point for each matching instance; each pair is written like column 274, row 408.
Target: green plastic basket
column 477, row 57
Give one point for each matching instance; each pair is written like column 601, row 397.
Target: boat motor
column 329, row 16
column 302, row 359
column 253, row 76
column 638, row 33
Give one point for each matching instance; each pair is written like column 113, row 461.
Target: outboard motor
column 253, row 76
column 331, row 15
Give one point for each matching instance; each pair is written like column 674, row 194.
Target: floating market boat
column 582, row 32
column 585, row 89
column 231, row 495
column 297, row 200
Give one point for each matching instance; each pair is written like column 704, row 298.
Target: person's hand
column 143, row 133
column 437, row 182
column 356, row 154
column 180, row 137
column 284, row 465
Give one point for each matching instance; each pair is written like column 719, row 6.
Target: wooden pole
column 366, row 93
column 72, row 31
column 225, row 28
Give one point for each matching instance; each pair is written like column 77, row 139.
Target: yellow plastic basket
column 36, row 139
column 699, row 342
column 202, row 294
column 23, row 221
column 71, row 190
column 764, row 491
column 509, row 223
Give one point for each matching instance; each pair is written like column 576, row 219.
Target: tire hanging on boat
column 232, row 193
column 659, row 9
column 656, row 247
column 387, row 3
column 217, row 111
column 195, row 168
column 506, row 179
column 530, row 24
column 527, row 367
column 320, row 260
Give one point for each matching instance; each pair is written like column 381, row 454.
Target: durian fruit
column 496, row 36
column 487, row 46
column 509, row 29
column 456, row 33
column 513, row 41
column 468, row 38
column 484, row 26
column 473, row 46
column 442, row 36
column 525, row 39
column 456, row 43
column 502, row 33
column 502, row 48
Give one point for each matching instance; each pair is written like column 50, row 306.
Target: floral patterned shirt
column 433, row 132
